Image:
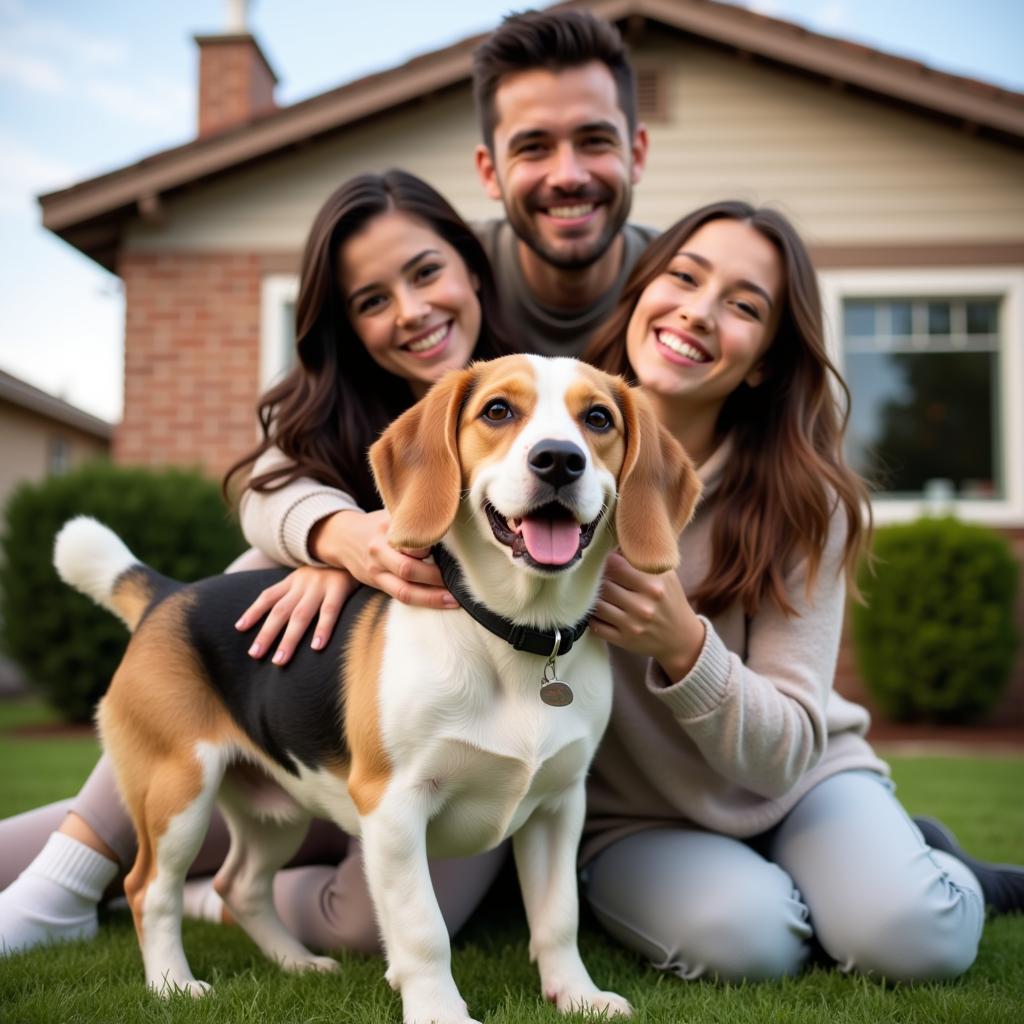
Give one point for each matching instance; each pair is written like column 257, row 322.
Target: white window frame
column 276, row 292
column 942, row 283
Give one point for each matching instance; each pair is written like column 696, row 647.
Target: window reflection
column 924, row 401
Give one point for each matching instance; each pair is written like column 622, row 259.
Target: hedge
column 174, row 520
column 936, row 639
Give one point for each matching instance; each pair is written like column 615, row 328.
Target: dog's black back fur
column 295, row 712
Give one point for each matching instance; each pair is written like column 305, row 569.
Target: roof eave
column 96, row 208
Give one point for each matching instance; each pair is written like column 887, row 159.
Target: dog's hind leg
column 259, row 846
column 171, row 810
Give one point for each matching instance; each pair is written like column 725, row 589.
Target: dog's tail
column 93, row 559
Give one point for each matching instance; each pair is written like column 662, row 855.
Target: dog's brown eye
column 497, row 410
column 598, row 418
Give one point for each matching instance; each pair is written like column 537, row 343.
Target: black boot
column 1001, row 884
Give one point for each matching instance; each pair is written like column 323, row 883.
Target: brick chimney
column 236, row 81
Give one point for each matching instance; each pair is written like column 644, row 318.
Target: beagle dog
column 424, row 732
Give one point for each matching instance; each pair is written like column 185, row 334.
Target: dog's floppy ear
column 658, row 489
column 416, row 467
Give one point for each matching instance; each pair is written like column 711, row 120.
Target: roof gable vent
column 652, row 94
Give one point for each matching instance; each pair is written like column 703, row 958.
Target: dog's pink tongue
column 551, row 541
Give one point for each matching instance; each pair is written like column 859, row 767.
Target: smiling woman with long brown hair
column 735, row 808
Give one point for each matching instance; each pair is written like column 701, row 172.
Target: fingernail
column 317, row 643
column 240, row 624
column 450, row 601
column 278, row 657
column 255, row 651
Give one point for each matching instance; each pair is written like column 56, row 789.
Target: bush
column 174, row 520
column 936, row 640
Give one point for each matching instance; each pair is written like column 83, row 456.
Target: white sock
column 201, row 902
column 54, row 899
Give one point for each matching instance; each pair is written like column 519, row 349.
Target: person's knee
column 755, row 929
column 357, row 933
column 909, row 939
column 757, row 932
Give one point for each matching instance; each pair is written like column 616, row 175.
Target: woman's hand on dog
column 291, row 605
column 358, row 542
column 648, row 614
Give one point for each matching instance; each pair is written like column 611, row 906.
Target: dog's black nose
column 557, row 462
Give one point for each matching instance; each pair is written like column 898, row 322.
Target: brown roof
column 89, row 215
column 25, row 396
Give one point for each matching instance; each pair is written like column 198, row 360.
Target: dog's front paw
column 607, row 1004
column 440, row 1003
column 325, row 964
column 169, row 987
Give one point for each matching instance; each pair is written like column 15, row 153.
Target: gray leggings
column 847, row 865
column 322, row 898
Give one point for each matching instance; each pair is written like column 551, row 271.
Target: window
column 277, row 327
column 934, row 360
column 58, row 455
column 923, row 375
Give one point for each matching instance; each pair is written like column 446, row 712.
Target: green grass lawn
column 101, row 981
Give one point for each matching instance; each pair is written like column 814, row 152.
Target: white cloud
column 26, row 31
column 34, row 73
column 156, row 101
column 44, row 54
column 26, row 171
column 831, row 16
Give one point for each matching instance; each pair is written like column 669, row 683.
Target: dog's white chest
column 474, row 745
column 482, row 797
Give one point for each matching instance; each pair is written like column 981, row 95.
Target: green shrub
column 936, row 640
column 174, row 520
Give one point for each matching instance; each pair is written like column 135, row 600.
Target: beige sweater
column 733, row 745
column 278, row 522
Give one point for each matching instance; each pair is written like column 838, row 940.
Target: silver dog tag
column 553, row 691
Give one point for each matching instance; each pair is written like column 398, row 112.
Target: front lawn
column 101, row 981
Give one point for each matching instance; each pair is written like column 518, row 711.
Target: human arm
column 309, row 523
column 758, row 717
column 332, row 544
column 278, row 522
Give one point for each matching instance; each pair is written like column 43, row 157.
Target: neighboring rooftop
column 25, row 396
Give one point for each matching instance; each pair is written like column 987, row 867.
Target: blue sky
column 86, row 87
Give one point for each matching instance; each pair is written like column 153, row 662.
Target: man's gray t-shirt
column 540, row 329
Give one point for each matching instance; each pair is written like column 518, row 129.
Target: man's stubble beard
column 523, row 229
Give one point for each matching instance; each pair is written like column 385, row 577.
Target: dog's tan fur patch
column 155, row 711
column 131, row 595
column 370, row 768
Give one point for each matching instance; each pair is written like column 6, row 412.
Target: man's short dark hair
column 555, row 40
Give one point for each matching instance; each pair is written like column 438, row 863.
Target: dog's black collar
column 521, row 638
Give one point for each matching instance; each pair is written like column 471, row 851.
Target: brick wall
column 192, row 331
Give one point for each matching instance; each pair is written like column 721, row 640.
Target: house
column 42, row 436
column 907, row 182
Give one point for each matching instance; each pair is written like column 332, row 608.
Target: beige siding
column 848, row 169
column 25, row 440
column 272, row 206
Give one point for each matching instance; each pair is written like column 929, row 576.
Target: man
column 562, row 150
